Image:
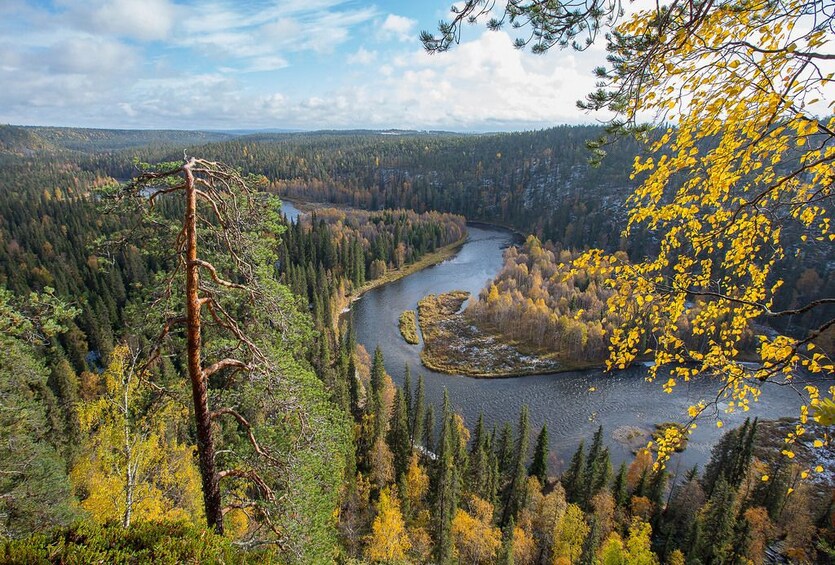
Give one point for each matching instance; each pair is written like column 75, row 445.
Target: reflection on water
column 572, row 404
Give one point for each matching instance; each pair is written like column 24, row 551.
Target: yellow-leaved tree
column 737, row 177
column 475, row 537
column 133, row 466
column 388, row 542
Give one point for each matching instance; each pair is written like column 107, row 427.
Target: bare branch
column 215, row 277
column 223, row 364
column 245, row 423
column 252, row 476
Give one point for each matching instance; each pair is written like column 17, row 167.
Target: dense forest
column 539, row 183
column 536, row 300
column 478, row 495
column 327, row 459
column 544, row 305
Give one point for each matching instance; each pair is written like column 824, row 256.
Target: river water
column 572, row 404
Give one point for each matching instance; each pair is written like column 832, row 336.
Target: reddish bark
column 202, row 415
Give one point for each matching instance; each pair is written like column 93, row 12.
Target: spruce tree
column 716, row 524
column 596, row 471
column 619, row 489
column 354, row 390
column 730, row 457
column 378, row 376
column 418, row 411
column 515, row 492
column 398, row 436
column 407, row 397
column 479, row 461
column 506, row 551
column 539, row 466
column 429, row 429
column 491, row 489
column 602, row 474
column 479, row 437
column 504, row 453
column 573, row 479
column 446, row 487
column 771, row 494
column 378, row 371
column 591, row 543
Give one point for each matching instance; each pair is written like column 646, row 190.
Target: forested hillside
column 324, row 458
column 540, row 182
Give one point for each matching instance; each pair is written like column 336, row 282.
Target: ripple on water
column 562, row 401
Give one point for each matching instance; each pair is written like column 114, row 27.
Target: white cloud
column 145, row 20
column 483, row 84
column 398, row 27
column 362, row 57
column 91, row 56
column 64, row 74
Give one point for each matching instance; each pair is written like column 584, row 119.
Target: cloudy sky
column 250, row 64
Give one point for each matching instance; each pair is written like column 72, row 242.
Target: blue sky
column 250, row 64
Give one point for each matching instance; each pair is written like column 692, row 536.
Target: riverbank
column 438, row 256
column 343, row 301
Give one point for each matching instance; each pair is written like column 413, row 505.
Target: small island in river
column 408, row 327
column 451, row 344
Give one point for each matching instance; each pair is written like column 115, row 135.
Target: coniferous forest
column 320, row 457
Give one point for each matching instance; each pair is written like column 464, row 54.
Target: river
column 572, row 404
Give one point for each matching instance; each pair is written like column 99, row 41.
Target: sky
column 274, row 64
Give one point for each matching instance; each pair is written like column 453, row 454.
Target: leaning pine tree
column 217, row 294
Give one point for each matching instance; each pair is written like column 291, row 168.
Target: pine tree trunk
column 202, row 416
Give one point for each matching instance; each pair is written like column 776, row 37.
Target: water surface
column 572, row 404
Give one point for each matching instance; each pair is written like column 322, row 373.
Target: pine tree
column 539, row 467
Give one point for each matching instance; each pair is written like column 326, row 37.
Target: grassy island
column 451, row 344
column 408, row 327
